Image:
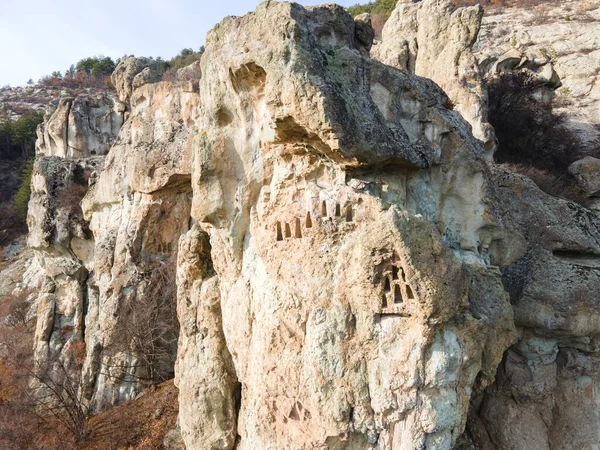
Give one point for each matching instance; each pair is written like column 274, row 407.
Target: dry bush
column 78, row 82
column 493, row 4
column 558, row 186
column 12, row 224
column 71, row 195
column 528, row 130
column 377, row 22
column 170, row 74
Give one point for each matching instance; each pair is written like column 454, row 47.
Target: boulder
column 80, row 127
column 124, row 74
column 587, row 173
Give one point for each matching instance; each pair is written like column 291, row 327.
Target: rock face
column 587, row 173
column 81, row 127
column 559, row 42
column 320, row 306
column 546, row 395
column 62, row 249
column 137, row 209
column 347, row 268
column 133, row 72
column 434, row 39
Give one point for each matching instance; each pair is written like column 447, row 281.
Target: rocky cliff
column 348, row 266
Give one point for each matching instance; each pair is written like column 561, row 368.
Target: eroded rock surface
column 81, row 127
column 559, row 42
column 434, row 39
column 546, row 395
column 350, row 271
column 133, row 72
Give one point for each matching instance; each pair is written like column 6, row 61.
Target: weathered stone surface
column 558, row 42
column 364, row 32
column 350, row 273
column 332, row 285
column 434, row 39
column 138, row 207
column 191, row 72
column 146, row 76
column 544, row 396
column 587, row 173
column 124, row 76
column 60, row 240
column 80, row 127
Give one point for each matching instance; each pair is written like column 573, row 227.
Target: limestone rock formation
column 342, row 317
column 124, row 76
column 138, row 208
column 81, row 127
column 434, row 39
column 191, row 72
column 557, row 41
column 545, row 396
column 587, row 173
column 347, row 269
column 60, row 239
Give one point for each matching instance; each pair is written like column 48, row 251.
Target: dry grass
column 138, row 424
column 564, row 186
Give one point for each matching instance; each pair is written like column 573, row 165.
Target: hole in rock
column 384, row 301
column 397, row 295
column 279, row 233
column 395, row 273
column 224, row 117
column 409, row 293
column 298, row 229
column 349, row 214
column 288, row 231
column 294, row 414
column 308, row 220
column 338, row 210
column 386, row 285
column 324, row 208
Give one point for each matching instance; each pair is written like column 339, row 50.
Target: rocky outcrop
column 133, row 72
column 63, row 250
column 138, row 208
column 80, row 127
column 348, row 271
column 366, row 324
column 587, row 173
column 545, row 396
column 558, row 43
column 434, row 39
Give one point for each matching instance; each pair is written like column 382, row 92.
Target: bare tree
column 149, row 330
column 34, row 394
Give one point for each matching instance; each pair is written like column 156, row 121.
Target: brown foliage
column 40, row 404
column 12, row 224
column 528, row 130
column 558, row 186
column 80, row 80
column 72, row 195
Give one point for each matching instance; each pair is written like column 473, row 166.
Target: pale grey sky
column 38, row 37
